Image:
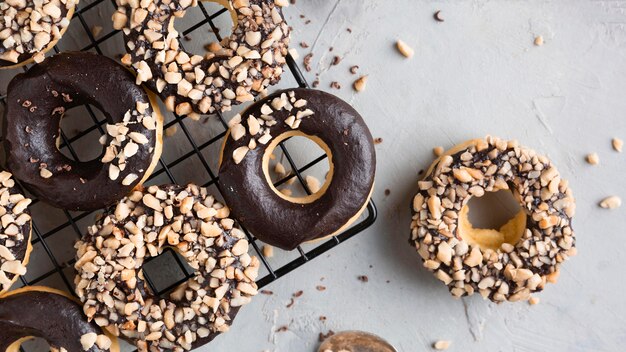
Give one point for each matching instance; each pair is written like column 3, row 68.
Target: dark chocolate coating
column 53, row 317
column 282, row 223
column 31, row 134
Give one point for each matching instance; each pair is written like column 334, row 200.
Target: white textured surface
column 477, row 73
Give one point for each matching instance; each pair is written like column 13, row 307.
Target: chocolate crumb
column 331, row 49
column 307, row 22
column 320, row 288
column 322, row 318
column 378, row 140
column 304, row 45
column 298, row 294
column 291, row 303
column 335, row 85
column 323, row 336
column 315, row 83
column 349, row 30
column 363, row 278
column 282, row 328
column 438, row 16
column 267, row 292
column 336, row 61
column 354, row 69
column 387, row 192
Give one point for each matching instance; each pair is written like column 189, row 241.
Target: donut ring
column 64, row 325
column 39, row 28
column 505, row 265
column 110, row 279
column 245, row 64
column 244, row 167
column 15, row 232
column 36, row 103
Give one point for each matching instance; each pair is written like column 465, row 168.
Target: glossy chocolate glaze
column 53, row 317
column 64, row 81
column 282, row 223
column 28, row 55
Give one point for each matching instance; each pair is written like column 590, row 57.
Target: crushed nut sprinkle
column 441, row 345
column 612, row 202
column 617, row 144
column 15, row 227
column 230, row 73
column 110, row 280
column 359, row 84
column 260, row 128
column 404, row 49
column 127, row 140
column 513, row 271
column 592, row 159
column 28, row 27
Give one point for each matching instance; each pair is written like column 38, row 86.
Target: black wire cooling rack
column 59, row 272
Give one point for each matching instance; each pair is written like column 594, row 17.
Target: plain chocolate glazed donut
column 336, row 127
column 52, row 315
column 36, row 103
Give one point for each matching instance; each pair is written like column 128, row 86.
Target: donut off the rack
column 272, row 216
column 505, row 265
column 30, row 28
column 243, row 66
column 110, row 280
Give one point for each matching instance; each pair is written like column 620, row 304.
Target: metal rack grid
column 64, row 269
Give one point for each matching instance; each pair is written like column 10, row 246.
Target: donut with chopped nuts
column 30, row 28
column 37, row 101
column 508, row 264
column 110, row 280
column 53, row 315
column 279, row 219
column 15, row 232
column 234, row 71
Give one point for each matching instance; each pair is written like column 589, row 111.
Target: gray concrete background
column 475, row 74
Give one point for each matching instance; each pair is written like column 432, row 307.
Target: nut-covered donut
column 52, row 315
column 244, row 65
column 272, row 216
column 37, row 101
column 110, row 280
column 508, row 264
column 30, row 28
column 15, row 232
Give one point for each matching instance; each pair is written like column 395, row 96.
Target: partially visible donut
column 15, row 232
column 243, row 66
column 37, row 101
column 503, row 265
column 52, row 315
column 30, row 28
column 110, row 280
column 272, row 216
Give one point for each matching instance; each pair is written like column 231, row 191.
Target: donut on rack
column 15, row 232
column 111, row 283
column 233, row 72
column 286, row 221
column 52, row 315
column 30, row 28
column 508, row 264
column 37, row 101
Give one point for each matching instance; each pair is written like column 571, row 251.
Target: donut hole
column 310, row 155
column 491, row 220
column 194, row 39
column 84, row 146
column 164, row 271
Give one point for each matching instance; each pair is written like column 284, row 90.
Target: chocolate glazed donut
column 52, row 315
column 285, row 221
column 36, row 103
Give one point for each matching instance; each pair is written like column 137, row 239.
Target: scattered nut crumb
column 538, row 40
column 359, row 84
column 404, row 49
column 335, row 84
column 617, row 144
column 282, row 328
column 291, row 303
column 307, row 62
column 320, row 288
column 170, row 131
column 304, row 45
column 438, row 151
column 533, row 300
column 592, row 158
column 267, row 292
column 354, row 69
column 322, row 318
column 611, row 202
column 336, row 60
column 442, row 345
column 378, row 140
column 268, row 251
column 316, row 83
column 363, row 278
column 437, row 15
column 298, row 294
column 387, row 192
